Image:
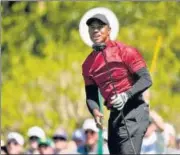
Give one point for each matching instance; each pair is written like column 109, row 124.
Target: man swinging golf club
column 120, row 73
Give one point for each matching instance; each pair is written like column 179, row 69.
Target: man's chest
column 108, row 62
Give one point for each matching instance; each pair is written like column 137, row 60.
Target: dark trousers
column 136, row 114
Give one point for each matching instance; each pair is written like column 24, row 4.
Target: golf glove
column 119, row 100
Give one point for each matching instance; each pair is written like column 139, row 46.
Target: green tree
column 42, row 54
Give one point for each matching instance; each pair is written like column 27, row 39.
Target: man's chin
column 98, row 41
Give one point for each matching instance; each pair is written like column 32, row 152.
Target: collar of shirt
column 110, row 43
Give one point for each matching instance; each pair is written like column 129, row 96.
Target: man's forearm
column 92, row 105
column 143, row 82
column 158, row 121
column 92, row 97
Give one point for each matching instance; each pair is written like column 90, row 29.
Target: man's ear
column 88, row 30
column 109, row 29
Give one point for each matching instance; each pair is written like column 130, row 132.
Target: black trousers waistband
column 130, row 105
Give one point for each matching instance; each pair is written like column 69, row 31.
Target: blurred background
column 42, row 53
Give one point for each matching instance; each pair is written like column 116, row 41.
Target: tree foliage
column 42, row 54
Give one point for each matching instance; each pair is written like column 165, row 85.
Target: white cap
column 16, row 136
column 36, row 131
column 2, row 143
column 90, row 124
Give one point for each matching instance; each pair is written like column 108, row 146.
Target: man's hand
column 157, row 120
column 119, row 100
column 98, row 116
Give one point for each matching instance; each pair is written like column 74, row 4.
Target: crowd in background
column 160, row 138
column 84, row 140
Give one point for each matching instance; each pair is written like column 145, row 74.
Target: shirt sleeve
column 88, row 80
column 91, row 89
column 133, row 59
column 86, row 74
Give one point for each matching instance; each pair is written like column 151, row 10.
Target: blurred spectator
column 178, row 142
column 91, row 132
column 45, row 146
column 34, row 134
column 149, row 141
column 105, row 140
column 153, row 142
column 15, row 142
column 3, row 148
column 60, row 140
column 170, row 139
column 78, row 137
column 169, row 134
column 71, row 148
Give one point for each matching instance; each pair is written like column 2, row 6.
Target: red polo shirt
column 123, row 61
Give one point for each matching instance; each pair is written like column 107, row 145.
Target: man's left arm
column 137, row 68
column 143, row 82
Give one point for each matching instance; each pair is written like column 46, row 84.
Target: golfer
column 120, row 73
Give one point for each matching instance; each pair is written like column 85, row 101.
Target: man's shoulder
column 88, row 59
column 125, row 46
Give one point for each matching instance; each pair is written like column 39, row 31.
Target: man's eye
column 97, row 27
column 91, row 27
column 94, row 27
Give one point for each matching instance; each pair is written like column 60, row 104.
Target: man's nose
column 96, row 29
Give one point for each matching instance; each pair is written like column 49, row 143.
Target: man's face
column 91, row 137
column 60, row 143
column 14, row 148
column 99, row 33
column 45, row 149
column 33, row 141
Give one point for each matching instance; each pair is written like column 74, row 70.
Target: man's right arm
column 93, row 104
column 92, row 97
column 91, row 90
